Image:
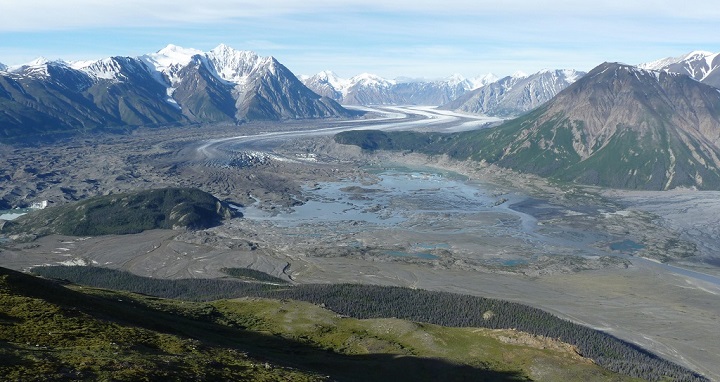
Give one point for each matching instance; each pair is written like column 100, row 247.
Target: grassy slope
column 53, row 332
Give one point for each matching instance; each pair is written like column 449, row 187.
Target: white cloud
column 392, row 38
column 33, row 15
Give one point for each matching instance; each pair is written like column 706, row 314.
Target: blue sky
column 430, row 39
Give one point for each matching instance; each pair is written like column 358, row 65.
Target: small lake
column 14, row 213
column 626, row 246
column 426, row 256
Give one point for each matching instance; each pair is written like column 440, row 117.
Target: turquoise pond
column 626, row 246
column 426, row 256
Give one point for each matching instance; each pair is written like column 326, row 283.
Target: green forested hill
column 127, row 213
column 55, row 332
column 427, row 308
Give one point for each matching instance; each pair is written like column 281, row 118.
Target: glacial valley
column 315, row 211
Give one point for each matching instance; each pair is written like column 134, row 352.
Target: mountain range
column 499, row 97
column 654, row 126
column 173, row 86
column 618, row 126
column 370, row 89
column 514, row 95
column 505, row 97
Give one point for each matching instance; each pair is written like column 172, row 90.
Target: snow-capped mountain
column 481, row 81
column 3, row 67
column 174, row 85
column 363, row 89
column 516, row 94
column 327, row 84
column 370, row 89
column 700, row 65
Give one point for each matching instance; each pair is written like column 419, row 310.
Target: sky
column 390, row 38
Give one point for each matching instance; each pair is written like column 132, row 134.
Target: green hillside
column 379, row 302
column 55, row 332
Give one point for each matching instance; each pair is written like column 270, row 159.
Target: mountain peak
column 38, row 61
column 329, row 77
column 235, row 66
column 172, row 49
column 639, row 74
column 481, row 81
column 627, row 127
column 170, row 56
column 455, row 79
column 229, row 52
column 698, row 54
column 369, row 79
column 327, row 74
column 173, row 54
column 36, row 68
column 222, row 47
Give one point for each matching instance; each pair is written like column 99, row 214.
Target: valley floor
column 318, row 212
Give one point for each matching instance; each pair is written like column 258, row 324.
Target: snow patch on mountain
column 700, row 65
column 235, row 66
column 106, row 68
column 169, row 61
column 36, row 68
column 664, row 62
column 661, row 63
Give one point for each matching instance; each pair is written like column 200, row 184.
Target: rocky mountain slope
column 514, row 95
column 369, row 89
column 173, row 86
column 618, row 126
column 624, row 127
column 700, row 65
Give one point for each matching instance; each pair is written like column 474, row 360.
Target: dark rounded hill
column 167, row 208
